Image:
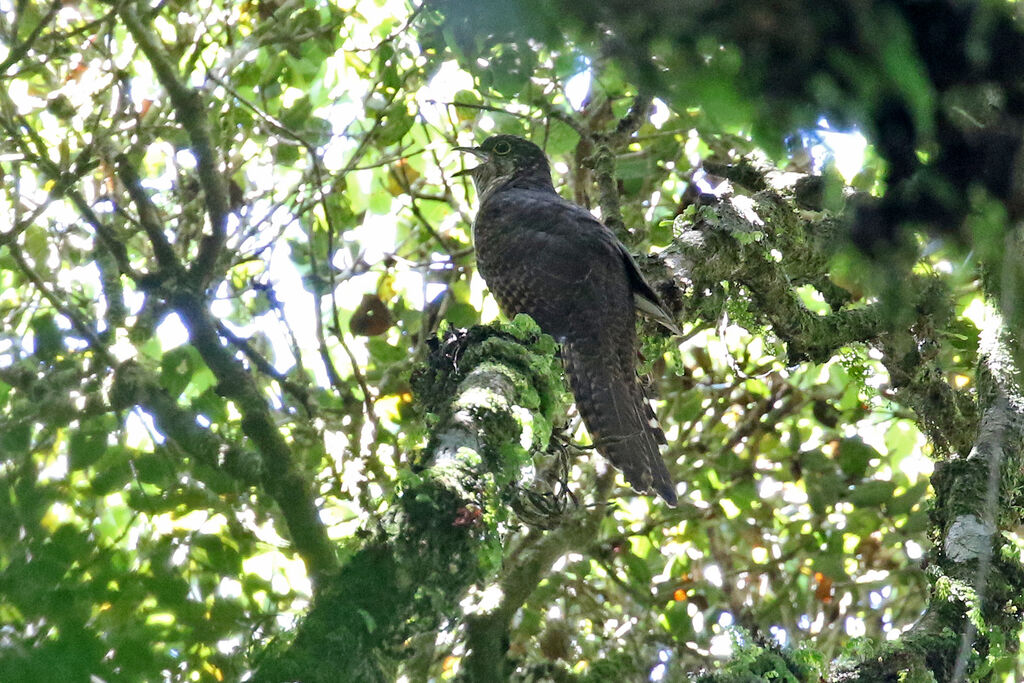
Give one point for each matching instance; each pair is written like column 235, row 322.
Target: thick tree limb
column 280, row 476
column 443, row 535
column 134, row 385
column 976, row 600
column 768, row 248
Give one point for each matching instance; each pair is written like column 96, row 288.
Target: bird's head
column 504, row 158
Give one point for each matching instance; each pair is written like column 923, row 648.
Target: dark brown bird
column 551, row 259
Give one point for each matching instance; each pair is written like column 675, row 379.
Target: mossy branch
column 763, row 249
column 134, row 385
column 481, row 389
column 976, row 600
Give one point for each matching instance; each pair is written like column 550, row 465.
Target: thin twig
column 76, row 321
column 22, row 48
column 298, row 391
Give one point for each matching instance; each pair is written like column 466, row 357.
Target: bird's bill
column 475, row 151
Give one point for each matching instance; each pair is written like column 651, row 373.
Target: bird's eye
column 502, row 148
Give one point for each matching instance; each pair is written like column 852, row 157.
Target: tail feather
column 619, row 418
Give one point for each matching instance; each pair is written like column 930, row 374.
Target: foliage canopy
column 259, row 418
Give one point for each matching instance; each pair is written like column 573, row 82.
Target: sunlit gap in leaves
column 658, row 672
column 376, row 234
column 578, row 86
column 846, row 149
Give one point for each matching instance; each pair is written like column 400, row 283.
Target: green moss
column 757, row 658
column 517, row 352
column 507, row 381
column 912, row 660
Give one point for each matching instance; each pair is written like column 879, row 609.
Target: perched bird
column 551, row 259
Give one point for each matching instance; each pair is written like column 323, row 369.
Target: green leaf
column 824, row 490
column 176, row 368
column 317, row 131
column 286, row 152
column 154, row 468
column 49, row 340
column 15, row 439
column 113, row 474
column 691, row 407
column 296, row 116
column 831, row 565
column 466, row 97
column 637, row 568
column 384, row 352
column 872, row 493
column 854, row 456
column 113, row 521
column 86, row 446
column 462, row 314
column 219, row 554
column 212, row 405
column 905, row 502
column 37, row 244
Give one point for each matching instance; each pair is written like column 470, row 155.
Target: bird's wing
column 645, row 298
column 543, row 256
column 552, row 259
column 549, row 230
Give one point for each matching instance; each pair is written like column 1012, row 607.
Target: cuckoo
column 553, row 260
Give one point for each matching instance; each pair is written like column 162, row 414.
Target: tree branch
column 134, row 385
column 191, row 112
column 975, row 597
column 63, row 182
column 443, row 534
column 148, row 217
column 603, row 162
column 767, row 247
column 486, row 632
column 22, row 48
column 280, row 476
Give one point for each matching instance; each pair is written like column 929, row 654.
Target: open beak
column 475, row 151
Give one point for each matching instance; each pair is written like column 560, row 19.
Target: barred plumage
column 551, row 259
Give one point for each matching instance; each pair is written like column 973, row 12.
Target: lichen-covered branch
column 760, row 249
column 603, row 162
column 976, row 604
column 974, row 501
column 483, row 388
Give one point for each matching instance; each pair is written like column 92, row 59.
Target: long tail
column 618, row 416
